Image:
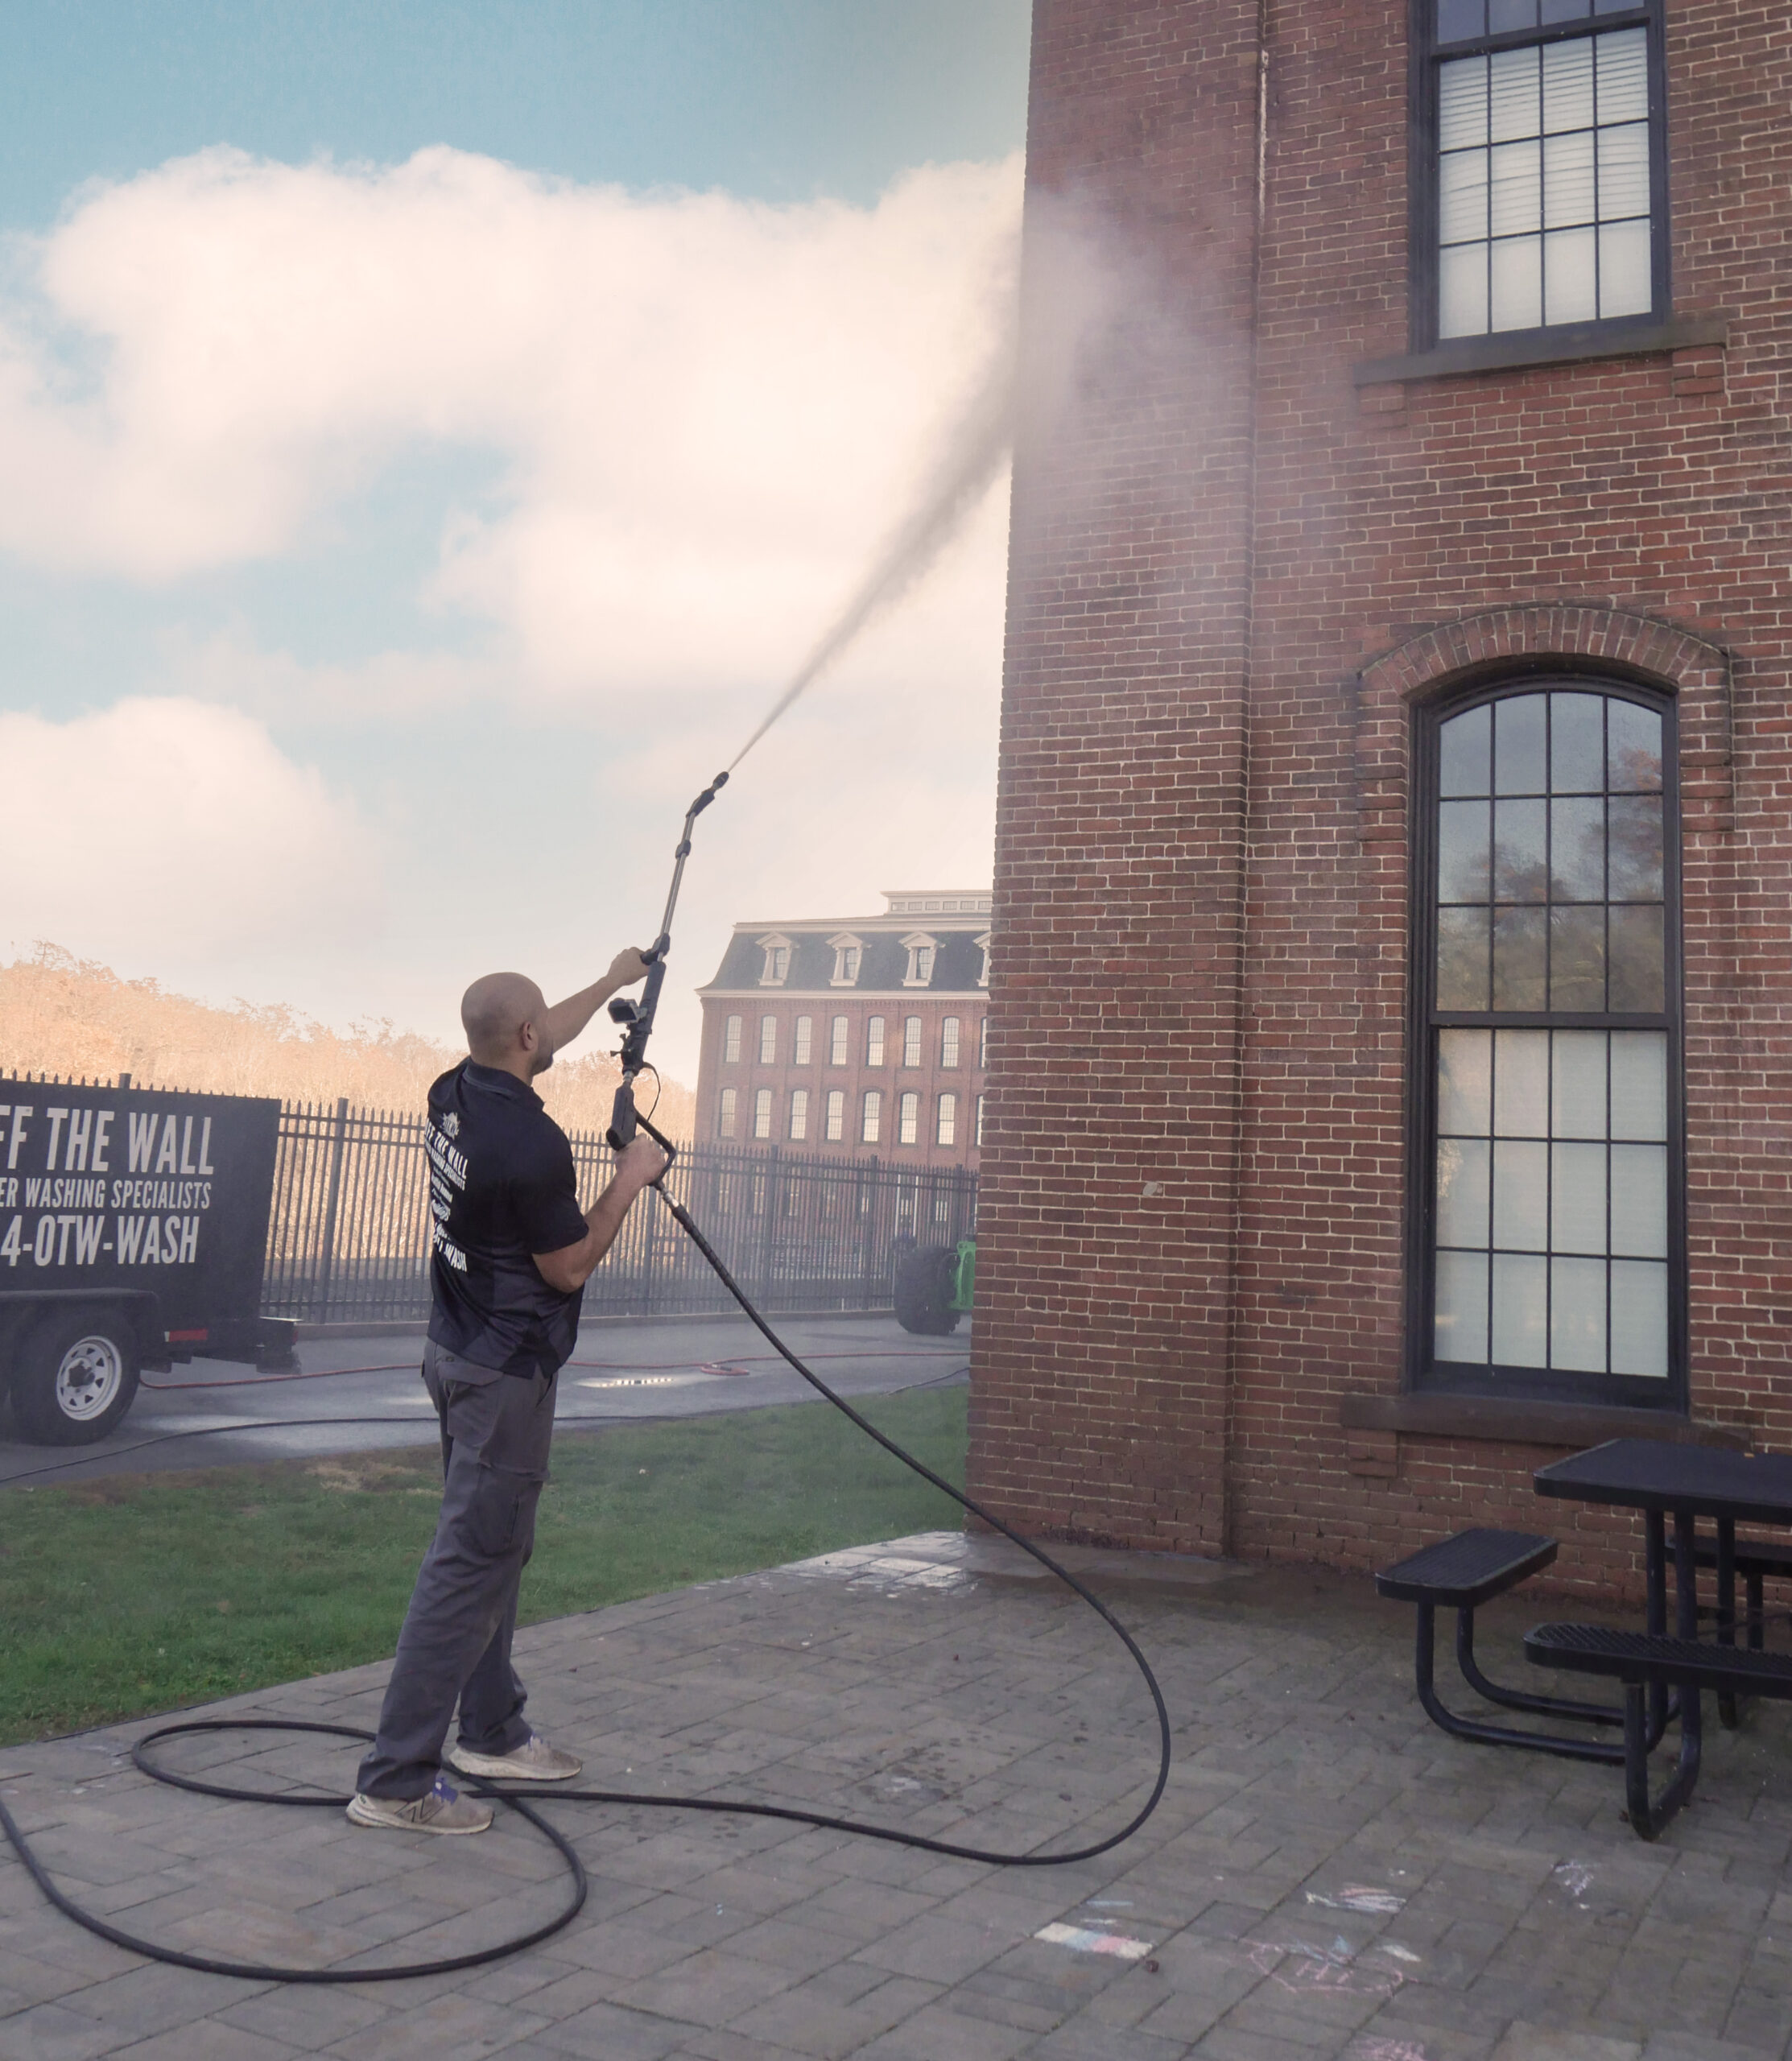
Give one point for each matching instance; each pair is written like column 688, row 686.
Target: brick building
column 1389, row 1070
column 852, row 1036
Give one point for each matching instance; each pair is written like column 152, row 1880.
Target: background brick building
column 852, row 1036
column 1389, row 1068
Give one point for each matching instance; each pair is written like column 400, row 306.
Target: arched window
column 908, row 1120
column 1550, row 1243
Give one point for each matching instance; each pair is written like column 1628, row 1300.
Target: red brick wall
column 1219, row 614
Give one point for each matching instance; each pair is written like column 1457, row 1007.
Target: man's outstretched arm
column 566, row 1019
column 638, row 1162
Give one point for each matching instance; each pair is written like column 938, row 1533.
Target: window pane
column 1521, row 1084
column 1462, row 958
column 1519, row 947
column 1515, row 188
column 1577, row 1085
column 1519, row 872
column 1639, row 1317
column 1634, row 744
column 1577, row 1315
column 1518, row 756
column 1515, row 285
column 1520, row 1311
column 1626, row 284
column 1571, row 277
column 1462, row 103
column 1461, row 852
column 1563, row 10
column 1568, row 85
column 799, row 1113
column 1457, row 20
column 1464, row 1083
column 1568, row 180
column 1577, row 1198
column 1639, row 1200
column 1637, row 848
column 1521, row 1195
column 1621, row 70
column 1577, row 959
column 1463, row 1171
column 1639, row 1084
column 1460, row 1323
column 1462, row 291
column 1505, row 16
column 1465, row 753
column 1637, row 972
column 1577, row 744
column 1624, row 172
column 1513, row 92
column 1462, row 196
column 1577, row 850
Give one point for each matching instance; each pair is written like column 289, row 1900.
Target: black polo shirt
column 500, row 1189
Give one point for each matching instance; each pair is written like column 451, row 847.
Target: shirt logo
column 450, row 1123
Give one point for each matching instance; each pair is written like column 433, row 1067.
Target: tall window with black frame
column 1539, row 165
column 1550, row 1251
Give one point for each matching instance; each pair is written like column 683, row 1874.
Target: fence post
column 768, row 1240
column 339, row 1135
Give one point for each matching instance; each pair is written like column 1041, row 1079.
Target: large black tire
column 924, row 1284
column 76, row 1377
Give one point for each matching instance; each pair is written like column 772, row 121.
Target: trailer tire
column 924, row 1291
column 75, row 1378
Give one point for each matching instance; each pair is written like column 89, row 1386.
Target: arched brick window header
column 1666, row 653
column 1564, row 636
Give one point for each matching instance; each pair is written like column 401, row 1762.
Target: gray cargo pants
column 495, row 1431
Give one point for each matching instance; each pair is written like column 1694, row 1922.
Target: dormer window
column 776, row 970
column 847, row 953
column 920, row 948
column 983, row 946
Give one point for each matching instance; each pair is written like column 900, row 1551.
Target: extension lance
column 638, row 1017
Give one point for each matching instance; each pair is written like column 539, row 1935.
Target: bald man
column 512, row 1251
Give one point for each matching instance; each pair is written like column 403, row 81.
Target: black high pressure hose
column 524, row 1802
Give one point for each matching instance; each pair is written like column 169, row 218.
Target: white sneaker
column 533, row 1761
column 443, row 1810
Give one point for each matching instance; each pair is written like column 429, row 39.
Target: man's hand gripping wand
column 625, row 1119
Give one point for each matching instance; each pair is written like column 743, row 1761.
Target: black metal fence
column 348, row 1235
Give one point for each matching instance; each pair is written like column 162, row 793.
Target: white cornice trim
column 972, row 993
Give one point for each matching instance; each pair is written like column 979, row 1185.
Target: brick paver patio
column 1328, row 1875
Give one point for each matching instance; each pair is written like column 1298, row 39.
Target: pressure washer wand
column 625, row 1119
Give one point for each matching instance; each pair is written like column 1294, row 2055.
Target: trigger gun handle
column 626, row 1120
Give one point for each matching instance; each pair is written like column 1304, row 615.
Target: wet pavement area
column 360, row 1394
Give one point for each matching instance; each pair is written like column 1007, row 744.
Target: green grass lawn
column 138, row 1594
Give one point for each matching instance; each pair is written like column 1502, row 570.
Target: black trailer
column 133, row 1229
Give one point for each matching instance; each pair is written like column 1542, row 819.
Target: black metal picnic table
column 1665, row 1480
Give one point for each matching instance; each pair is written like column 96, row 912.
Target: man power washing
column 512, row 1254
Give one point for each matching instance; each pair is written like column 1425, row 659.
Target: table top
column 1653, row 1474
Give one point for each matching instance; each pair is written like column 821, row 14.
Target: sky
column 433, row 434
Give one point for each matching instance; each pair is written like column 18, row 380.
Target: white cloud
column 169, row 836
column 707, row 410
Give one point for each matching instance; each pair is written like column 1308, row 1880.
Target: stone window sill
column 1516, row 1422
column 1566, row 345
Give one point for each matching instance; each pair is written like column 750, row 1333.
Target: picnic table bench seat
column 1640, row 1660
column 1461, row 1573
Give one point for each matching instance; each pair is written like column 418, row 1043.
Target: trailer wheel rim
column 88, row 1379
